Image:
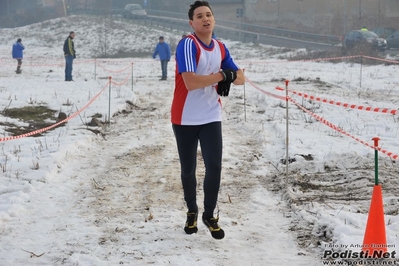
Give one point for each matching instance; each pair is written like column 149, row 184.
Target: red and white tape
column 346, row 105
column 329, row 124
column 58, row 123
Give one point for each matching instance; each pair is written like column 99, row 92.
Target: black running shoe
column 191, row 223
column 212, row 224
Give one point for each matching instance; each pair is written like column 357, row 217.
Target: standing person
column 17, row 53
column 70, row 54
column 204, row 72
column 163, row 50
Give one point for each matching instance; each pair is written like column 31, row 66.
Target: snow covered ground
column 109, row 195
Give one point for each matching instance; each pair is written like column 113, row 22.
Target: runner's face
column 203, row 20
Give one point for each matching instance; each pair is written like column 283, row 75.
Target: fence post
column 376, row 139
column 361, row 68
column 375, row 237
column 95, row 68
column 109, row 101
column 245, row 102
column 286, row 132
column 132, row 76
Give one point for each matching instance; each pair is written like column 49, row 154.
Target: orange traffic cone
column 375, row 240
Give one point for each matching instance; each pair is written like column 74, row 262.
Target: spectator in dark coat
column 163, row 50
column 70, row 54
column 17, row 53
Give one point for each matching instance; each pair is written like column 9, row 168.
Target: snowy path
column 128, row 202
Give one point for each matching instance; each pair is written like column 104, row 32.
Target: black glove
column 229, row 75
column 224, row 88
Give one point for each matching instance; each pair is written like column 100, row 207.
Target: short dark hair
column 196, row 5
column 72, row 32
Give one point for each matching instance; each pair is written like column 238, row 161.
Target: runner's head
column 195, row 6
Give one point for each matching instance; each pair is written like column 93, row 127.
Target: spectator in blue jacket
column 18, row 54
column 163, row 50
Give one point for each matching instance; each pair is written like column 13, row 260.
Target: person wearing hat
column 17, row 53
column 163, row 51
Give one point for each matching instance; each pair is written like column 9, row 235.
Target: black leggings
column 210, row 138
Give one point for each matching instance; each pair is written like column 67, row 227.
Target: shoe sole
column 215, row 232
column 191, row 230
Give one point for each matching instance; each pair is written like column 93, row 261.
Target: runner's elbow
column 190, row 85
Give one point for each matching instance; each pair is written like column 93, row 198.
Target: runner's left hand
column 224, row 88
